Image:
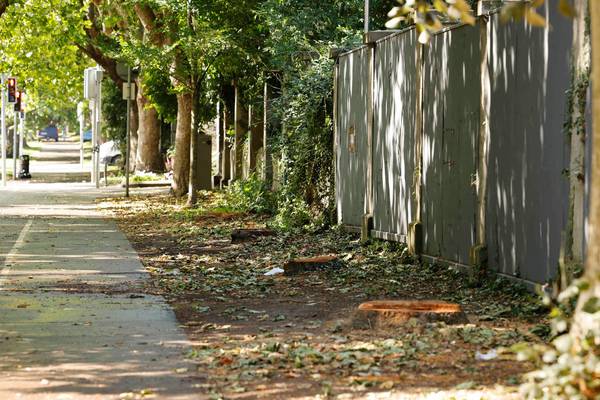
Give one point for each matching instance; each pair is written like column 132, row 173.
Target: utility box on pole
column 90, row 91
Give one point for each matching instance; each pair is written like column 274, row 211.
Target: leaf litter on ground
column 287, row 334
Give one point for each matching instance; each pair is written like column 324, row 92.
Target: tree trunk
column 583, row 321
column 241, row 130
column 577, row 131
column 148, row 150
column 194, row 160
column 134, row 124
column 194, row 153
column 181, row 169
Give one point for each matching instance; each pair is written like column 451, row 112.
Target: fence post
column 415, row 228
column 367, row 220
column 478, row 253
column 336, row 138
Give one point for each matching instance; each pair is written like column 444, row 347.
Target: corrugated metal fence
column 463, row 136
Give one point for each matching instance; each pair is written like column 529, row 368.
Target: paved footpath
column 73, row 323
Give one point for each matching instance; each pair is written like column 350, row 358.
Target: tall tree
column 110, row 28
column 587, row 322
column 162, row 24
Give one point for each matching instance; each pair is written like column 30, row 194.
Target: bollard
column 24, row 167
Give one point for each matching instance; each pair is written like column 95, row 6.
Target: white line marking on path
column 13, row 251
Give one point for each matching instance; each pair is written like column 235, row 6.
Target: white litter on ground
column 274, row 271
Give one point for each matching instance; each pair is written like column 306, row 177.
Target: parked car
column 87, row 136
column 49, row 133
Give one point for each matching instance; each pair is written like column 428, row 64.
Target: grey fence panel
column 352, row 152
column 394, row 132
column 527, row 192
column 451, row 110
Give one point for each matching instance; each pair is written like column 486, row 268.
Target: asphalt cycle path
column 74, row 321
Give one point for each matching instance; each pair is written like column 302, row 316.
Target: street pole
column 14, row 147
column 3, row 123
column 128, row 132
column 93, row 120
column 81, row 116
column 98, row 126
column 21, row 133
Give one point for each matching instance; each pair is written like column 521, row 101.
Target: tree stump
column 394, row 313
column 308, row 264
column 243, row 235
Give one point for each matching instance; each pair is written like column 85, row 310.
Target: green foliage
column 307, row 143
column 568, row 368
column 293, row 213
column 301, row 33
column 114, row 113
column 37, row 41
column 145, row 177
column 249, row 195
column 157, row 88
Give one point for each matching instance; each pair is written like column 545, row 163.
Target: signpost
column 129, row 95
column 3, row 127
column 21, row 132
column 21, row 113
column 14, row 145
column 8, row 92
column 81, row 117
column 92, row 90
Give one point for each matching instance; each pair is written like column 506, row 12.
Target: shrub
column 250, row 195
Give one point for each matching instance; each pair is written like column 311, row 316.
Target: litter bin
column 24, row 167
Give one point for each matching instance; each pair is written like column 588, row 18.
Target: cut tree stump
column 243, row 235
column 394, row 313
column 299, row 265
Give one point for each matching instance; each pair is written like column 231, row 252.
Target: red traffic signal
column 12, row 90
column 19, row 101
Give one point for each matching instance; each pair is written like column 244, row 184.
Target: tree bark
column 580, row 59
column 583, row 321
column 3, row 6
column 194, row 161
column 148, row 149
column 241, row 130
column 134, row 124
column 194, row 151
column 181, row 169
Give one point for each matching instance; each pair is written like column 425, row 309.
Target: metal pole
column 81, row 116
column 128, row 132
column 3, row 123
column 14, row 147
column 98, row 129
column 93, row 120
column 22, row 133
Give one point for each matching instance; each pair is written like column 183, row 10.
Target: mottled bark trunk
column 577, row 132
column 194, row 153
column 241, row 130
column 181, row 168
column 148, row 150
column 134, row 124
column 583, row 321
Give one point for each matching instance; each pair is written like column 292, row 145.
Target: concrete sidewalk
column 73, row 321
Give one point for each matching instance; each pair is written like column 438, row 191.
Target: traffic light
column 19, row 101
column 12, row 90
